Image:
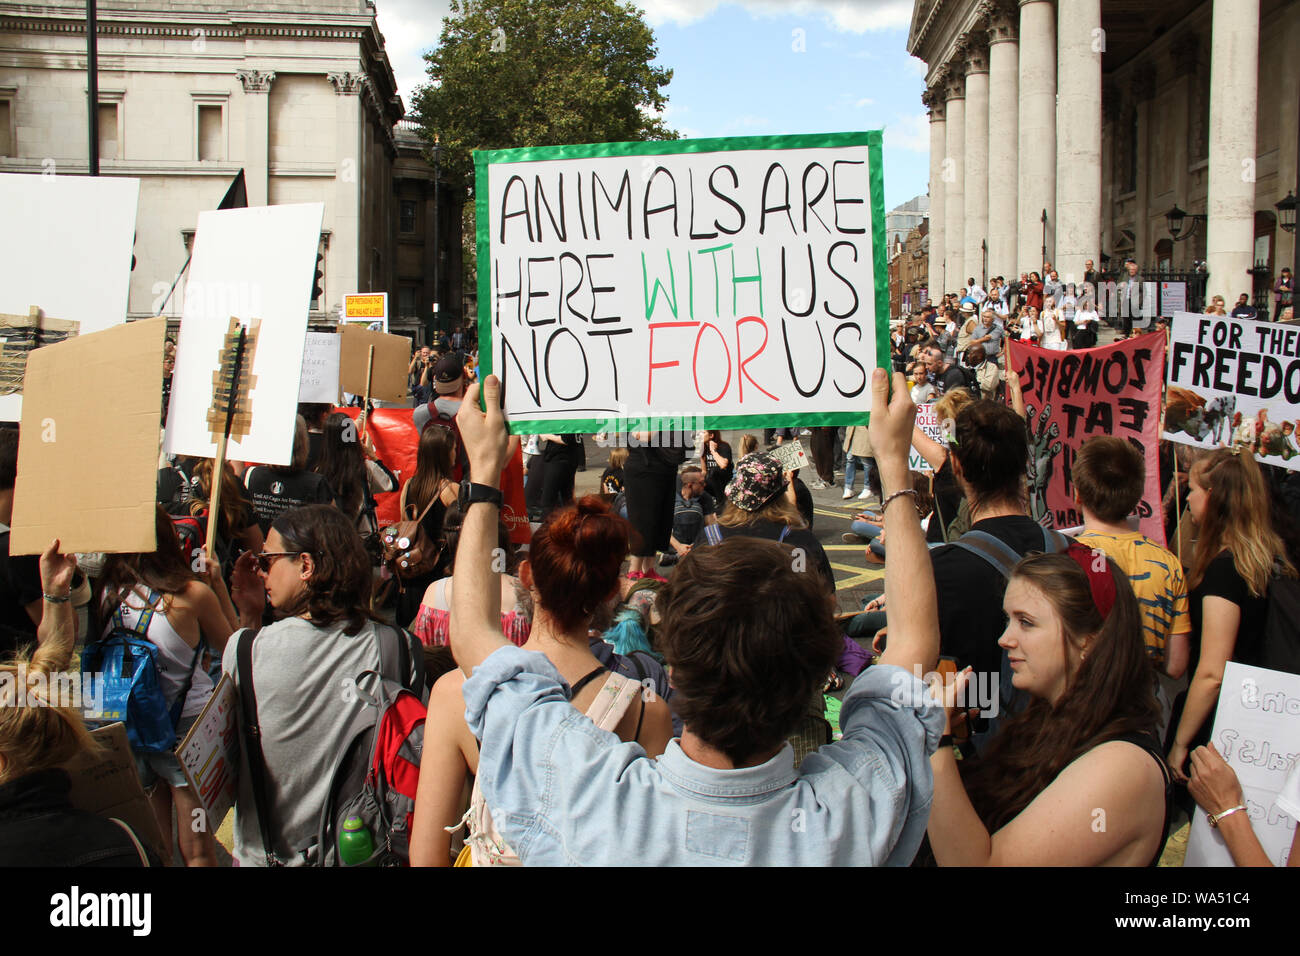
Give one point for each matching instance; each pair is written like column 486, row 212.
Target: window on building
column 108, row 145
column 6, row 128
column 407, row 298
column 1131, row 155
column 211, row 134
column 406, row 221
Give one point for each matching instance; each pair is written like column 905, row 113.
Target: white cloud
column 910, row 132
column 410, row 28
column 865, row 101
column 850, row 16
column 919, row 67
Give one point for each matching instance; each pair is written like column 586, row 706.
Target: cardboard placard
column 109, row 420
column 791, row 455
column 1232, row 384
column 369, row 310
column 388, row 382
column 320, row 368
column 67, row 253
column 251, row 264
column 732, row 282
column 106, row 784
column 209, row 754
column 1257, row 733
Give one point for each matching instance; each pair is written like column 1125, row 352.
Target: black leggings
column 557, row 482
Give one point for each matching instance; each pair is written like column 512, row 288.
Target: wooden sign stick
column 365, row 406
column 219, row 462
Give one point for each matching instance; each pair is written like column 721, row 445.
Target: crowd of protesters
column 583, row 708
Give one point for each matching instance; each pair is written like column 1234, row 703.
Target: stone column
column 257, row 136
column 954, row 160
column 1078, row 137
column 1234, row 88
column 933, row 98
column 1037, row 133
column 1004, row 136
column 977, row 157
column 344, row 269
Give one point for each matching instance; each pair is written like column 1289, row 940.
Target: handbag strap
column 253, row 741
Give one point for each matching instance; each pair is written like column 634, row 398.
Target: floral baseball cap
column 759, row 478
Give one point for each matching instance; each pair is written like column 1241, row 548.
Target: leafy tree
column 510, row 73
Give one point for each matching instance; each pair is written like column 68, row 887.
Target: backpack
column 438, row 417
column 1279, row 646
column 407, row 549
column 122, row 666
column 377, row 769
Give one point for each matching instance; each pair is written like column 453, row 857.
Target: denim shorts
column 154, row 767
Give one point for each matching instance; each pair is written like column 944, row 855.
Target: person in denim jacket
column 749, row 634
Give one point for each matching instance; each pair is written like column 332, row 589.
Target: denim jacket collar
column 693, row 778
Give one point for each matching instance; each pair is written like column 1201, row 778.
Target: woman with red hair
column 572, row 569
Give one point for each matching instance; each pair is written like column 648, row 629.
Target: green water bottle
column 355, row 843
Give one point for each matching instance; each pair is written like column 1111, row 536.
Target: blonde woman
column 1237, row 551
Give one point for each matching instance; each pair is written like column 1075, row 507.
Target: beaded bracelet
column 906, row 491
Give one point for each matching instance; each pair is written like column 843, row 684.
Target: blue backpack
column 121, row 670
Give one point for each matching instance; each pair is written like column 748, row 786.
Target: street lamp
column 1286, row 212
column 1175, row 218
column 437, row 154
column 1044, row 220
column 984, row 249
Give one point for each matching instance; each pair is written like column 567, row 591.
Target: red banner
column 397, row 443
column 1071, row 396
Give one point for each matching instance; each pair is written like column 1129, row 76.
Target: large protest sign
column 61, row 432
column 731, row 282
column 66, row 253
column 254, row 266
column 1257, row 731
column 1071, row 396
column 1235, row 383
column 367, row 310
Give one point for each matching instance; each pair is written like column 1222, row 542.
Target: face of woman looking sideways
column 1042, row 660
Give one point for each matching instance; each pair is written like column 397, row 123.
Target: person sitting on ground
column 694, row 509
column 40, row 732
column 760, row 505
column 749, row 639
column 304, row 670
column 572, row 566
column 748, row 445
column 433, row 620
column 425, row 497
column 1084, row 751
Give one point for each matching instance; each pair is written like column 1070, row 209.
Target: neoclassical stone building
column 1105, row 114
column 298, row 93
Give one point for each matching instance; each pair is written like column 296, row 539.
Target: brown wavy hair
column 1237, row 509
column 1111, row 693
column 166, row 569
column 339, row 588
column 750, row 641
column 234, row 503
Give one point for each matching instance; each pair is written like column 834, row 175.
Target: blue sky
column 759, row 67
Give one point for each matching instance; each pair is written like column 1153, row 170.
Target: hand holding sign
column 484, row 433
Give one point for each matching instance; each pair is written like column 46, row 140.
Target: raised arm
column 57, row 632
column 909, row 580
column 476, row 595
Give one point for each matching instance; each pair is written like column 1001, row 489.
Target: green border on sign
column 872, row 139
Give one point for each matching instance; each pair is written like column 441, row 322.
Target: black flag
column 236, row 196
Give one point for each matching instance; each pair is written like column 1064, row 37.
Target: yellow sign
column 365, row 306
